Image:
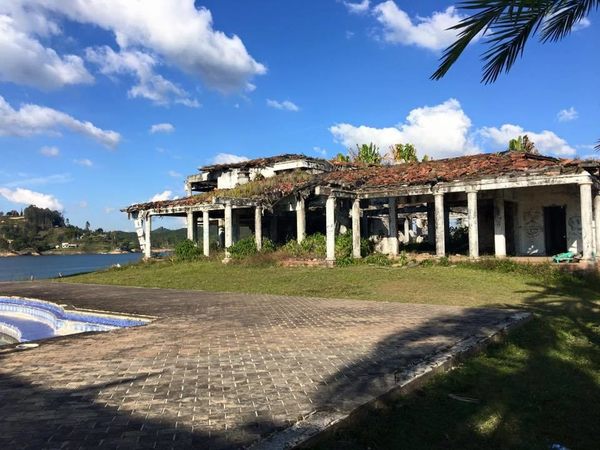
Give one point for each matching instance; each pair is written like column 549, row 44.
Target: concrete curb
column 405, row 381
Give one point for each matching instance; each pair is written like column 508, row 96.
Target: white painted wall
column 530, row 217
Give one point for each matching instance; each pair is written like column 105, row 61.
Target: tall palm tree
column 507, row 25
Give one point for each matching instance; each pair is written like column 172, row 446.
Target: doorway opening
column 555, row 229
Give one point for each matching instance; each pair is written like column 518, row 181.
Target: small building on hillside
column 512, row 203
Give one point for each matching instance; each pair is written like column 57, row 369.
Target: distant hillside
column 39, row 230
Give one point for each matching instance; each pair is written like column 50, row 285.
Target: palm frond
column 469, row 28
column 564, row 16
column 509, row 36
column 507, row 25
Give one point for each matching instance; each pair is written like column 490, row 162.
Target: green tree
column 340, row 157
column 404, row 153
column 366, row 154
column 522, row 144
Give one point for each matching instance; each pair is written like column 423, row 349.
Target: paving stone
column 214, row 370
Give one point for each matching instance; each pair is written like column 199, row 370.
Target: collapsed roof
column 260, row 163
column 359, row 178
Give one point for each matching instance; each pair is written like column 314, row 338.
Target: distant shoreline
column 58, row 253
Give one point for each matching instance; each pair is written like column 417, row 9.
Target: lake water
column 17, row 268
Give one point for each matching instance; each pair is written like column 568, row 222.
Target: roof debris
column 268, row 191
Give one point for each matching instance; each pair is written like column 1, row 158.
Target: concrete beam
column 300, row 219
column 356, row 229
column 258, row 211
column 473, row 224
column 499, row 228
column 587, row 227
column 393, row 226
column 440, row 231
column 206, row 232
column 330, row 229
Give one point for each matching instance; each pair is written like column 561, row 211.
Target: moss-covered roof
column 265, row 191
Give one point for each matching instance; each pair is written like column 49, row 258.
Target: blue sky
column 83, row 85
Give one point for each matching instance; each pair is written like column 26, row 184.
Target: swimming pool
column 26, row 319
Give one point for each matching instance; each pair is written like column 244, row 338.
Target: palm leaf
column 564, row 16
column 507, row 25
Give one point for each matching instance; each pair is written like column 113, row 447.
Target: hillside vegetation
column 38, row 230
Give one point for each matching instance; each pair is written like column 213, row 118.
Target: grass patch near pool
column 448, row 285
column 539, row 388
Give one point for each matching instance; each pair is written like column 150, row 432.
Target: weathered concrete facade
column 512, row 204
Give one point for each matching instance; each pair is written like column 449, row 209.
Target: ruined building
column 513, row 203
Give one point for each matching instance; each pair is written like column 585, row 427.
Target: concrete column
column 147, row 237
column 192, row 226
column 228, row 227
column 206, row 232
column 587, row 232
column 300, row 219
column 330, row 229
column 258, row 227
column 473, row 225
column 499, row 228
column 597, row 220
column 440, row 232
column 407, row 230
column 356, row 228
column 393, row 226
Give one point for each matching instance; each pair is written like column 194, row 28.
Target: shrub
column 243, row 248
column 313, row 246
column 187, row 251
column 268, row 246
column 377, row 259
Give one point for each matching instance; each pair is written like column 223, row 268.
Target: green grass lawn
column 540, row 387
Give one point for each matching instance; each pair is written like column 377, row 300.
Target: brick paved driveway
column 214, row 370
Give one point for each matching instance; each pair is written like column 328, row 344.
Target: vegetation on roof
column 266, row 191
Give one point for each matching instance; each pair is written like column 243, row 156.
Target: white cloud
column 582, row 24
column 32, row 119
column 27, row 197
column 322, row 152
column 174, row 174
column 547, row 142
column 228, row 158
column 140, row 65
column 586, row 146
column 83, row 162
column 162, row 128
column 357, row 8
column 26, row 61
column 285, row 105
column 439, row 131
column 427, row 32
column 50, row 152
column 165, row 195
column 83, row 204
column 58, row 178
column 567, row 115
column 109, row 209
column 173, row 29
